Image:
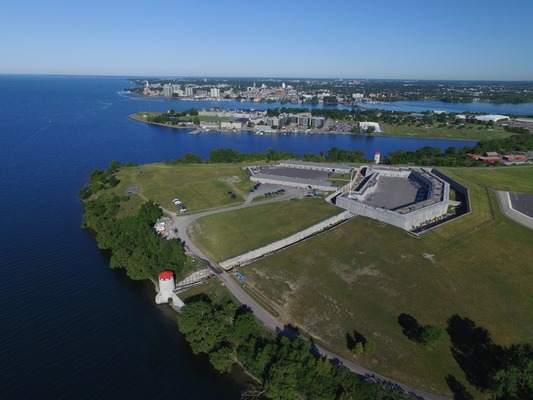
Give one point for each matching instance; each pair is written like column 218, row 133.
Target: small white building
column 492, row 117
column 231, row 125
column 166, row 290
column 365, row 125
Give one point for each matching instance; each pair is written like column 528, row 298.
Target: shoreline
column 197, row 130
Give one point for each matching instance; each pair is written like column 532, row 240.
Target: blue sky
column 409, row 39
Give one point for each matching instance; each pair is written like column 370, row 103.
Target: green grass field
column 199, row 187
column 362, row 275
column 434, row 132
column 515, row 179
column 229, row 234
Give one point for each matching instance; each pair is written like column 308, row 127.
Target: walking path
column 182, row 222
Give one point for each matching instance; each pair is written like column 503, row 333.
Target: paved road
column 182, row 222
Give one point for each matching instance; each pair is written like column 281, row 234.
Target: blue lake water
column 71, row 327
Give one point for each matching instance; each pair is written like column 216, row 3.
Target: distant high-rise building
column 168, row 90
column 283, row 85
column 189, row 91
column 215, row 92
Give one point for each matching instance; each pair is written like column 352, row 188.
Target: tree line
column 133, row 243
column 285, row 368
column 453, row 157
column 172, row 117
column 230, row 156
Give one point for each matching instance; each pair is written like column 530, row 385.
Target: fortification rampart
column 292, row 182
column 280, row 244
column 408, row 221
column 423, row 211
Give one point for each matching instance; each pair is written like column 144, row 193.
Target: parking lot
column 523, row 203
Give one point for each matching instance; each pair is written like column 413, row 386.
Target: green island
column 447, row 312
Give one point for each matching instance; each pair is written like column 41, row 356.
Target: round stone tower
column 166, row 289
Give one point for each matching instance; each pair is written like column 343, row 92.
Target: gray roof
column 317, row 164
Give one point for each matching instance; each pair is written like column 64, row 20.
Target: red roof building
column 164, row 275
column 490, row 157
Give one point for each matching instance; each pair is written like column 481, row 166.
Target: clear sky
column 394, row 39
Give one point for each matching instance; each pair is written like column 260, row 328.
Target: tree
column 196, row 121
column 431, row 335
column 370, row 347
column 222, row 359
column 114, row 166
column 358, row 349
column 204, row 327
column 514, row 380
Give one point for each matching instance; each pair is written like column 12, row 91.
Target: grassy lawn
column 229, row 234
column 515, row 179
column 199, row 187
column 362, row 275
column 434, row 132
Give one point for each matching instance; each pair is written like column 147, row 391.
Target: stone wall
column 455, row 186
column 407, row 221
column 263, row 178
column 275, row 246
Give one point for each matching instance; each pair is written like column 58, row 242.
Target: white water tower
column 377, row 157
column 166, row 289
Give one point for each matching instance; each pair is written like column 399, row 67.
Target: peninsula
column 358, row 121
column 369, row 293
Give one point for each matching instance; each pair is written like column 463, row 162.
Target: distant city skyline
column 413, row 39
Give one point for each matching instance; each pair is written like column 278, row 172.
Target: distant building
column 490, row 157
column 365, row 125
column 231, row 125
column 493, row 118
column 168, row 90
column 272, row 121
column 318, row 122
column 189, row 91
column 215, row 92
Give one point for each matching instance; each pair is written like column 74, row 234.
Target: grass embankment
column 364, row 274
column 434, row 132
column 229, row 234
column 199, row 187
column 203, row 118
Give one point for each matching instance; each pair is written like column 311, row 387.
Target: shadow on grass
column 475, row 352
column 458, row 389
column 357, row 337
column 410, row 327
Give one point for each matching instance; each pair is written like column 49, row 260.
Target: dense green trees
column 288, row 368
column 452, row 157
column 173, row 118
column 134, row 245
column 514, row 379
column 100, row 179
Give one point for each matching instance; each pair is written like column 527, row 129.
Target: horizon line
column 263, row 77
